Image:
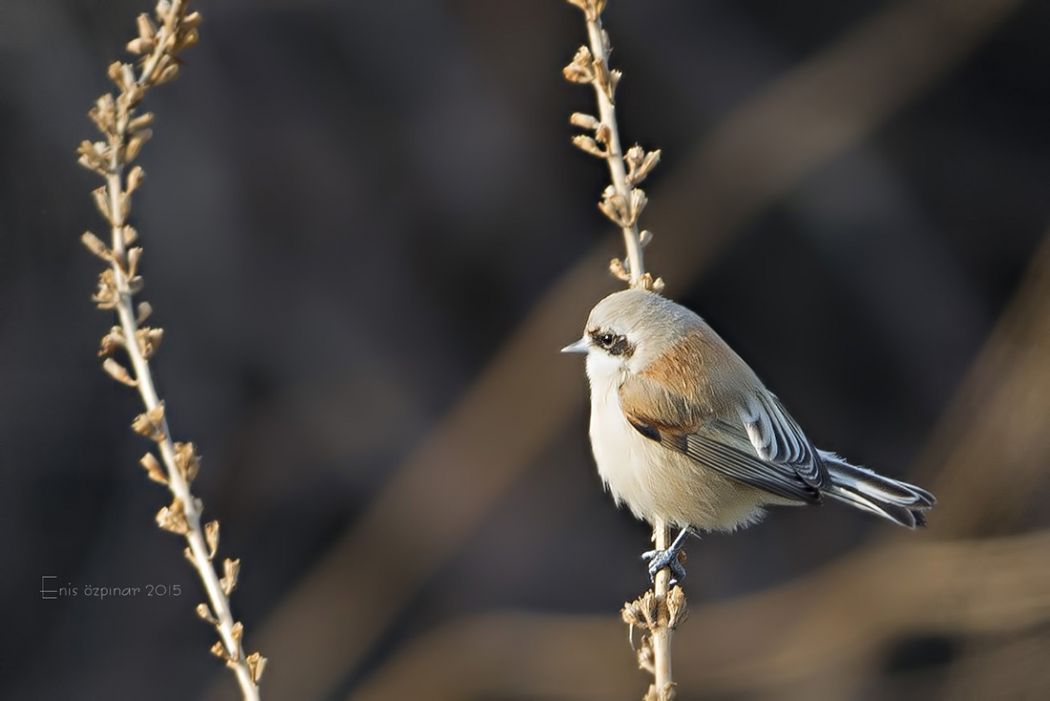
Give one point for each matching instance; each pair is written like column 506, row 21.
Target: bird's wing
column 758, row 444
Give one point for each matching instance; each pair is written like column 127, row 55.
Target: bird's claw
column 659, row 559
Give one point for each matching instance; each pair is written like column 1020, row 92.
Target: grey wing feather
column 777, row 438
column 766, row 449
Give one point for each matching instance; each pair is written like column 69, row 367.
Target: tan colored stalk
column 125, row 132
column 659, row 611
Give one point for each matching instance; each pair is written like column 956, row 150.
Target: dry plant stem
column 662, row 677
column 632, row 239
column 116, row 119
column 659, row 610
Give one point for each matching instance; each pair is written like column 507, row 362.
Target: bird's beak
column 581, row 346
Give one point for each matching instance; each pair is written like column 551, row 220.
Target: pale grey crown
column 648, row 322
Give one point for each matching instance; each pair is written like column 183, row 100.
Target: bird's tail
column 899, row 502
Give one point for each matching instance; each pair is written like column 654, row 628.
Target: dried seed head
column 135, row 177
column 106, row 296
column 645, row 237
column 584, row 121
column 211, row 534
column 134, row 255
column 589, row 145
column 153, row 469
column 147, row 30
column 580, row 69
column 187, row 461
column 118, row 372
column 129, row 235
column 111, row 342
column 168, row 74
column 191, row 20
column 237, row 631
column 94, row 244
column 143, row 312
column 232, row 569
column 219, row 650
column 256, row 666
column 151, row 423
column 140, row 122
column 102, row 203
column 619, row 270
column 677, row 611
column 135, row 144
column 173, row 518
column 149, row 340
column 205, row 614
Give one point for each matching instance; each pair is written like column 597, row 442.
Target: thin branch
column 657, row 612
column 126, row 131
column 622, row 202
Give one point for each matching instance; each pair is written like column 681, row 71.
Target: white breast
column 652, row 480
column 623, row 455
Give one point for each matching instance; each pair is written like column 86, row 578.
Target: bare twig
column 657, row 612
column 622, row 202
column 125, row 131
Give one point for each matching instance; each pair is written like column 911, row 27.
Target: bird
column 683, row 430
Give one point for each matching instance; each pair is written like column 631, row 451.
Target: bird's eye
column 606, row 340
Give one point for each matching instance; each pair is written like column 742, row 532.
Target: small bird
column 683, row 430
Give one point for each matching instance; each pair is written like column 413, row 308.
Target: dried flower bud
column 102, row 203
column 205, row 614
column 147, row 30
column 237, row 631
column 168, row 74
column 619, row 270
column 144, row 312
column 645, row 237
column 118, row 372
column 588, row 145
column 133, row 255
column 187, row 460
column 94, row 244
column 129, row 235
column 149, row 339
column 256, row 666
column 135, row 144
column 135, row 177
column 151, row 423
column 232, row 569
column 677, row 610
column 614, row 206
column 153, row 469
column 219, row 650
column 638, row 200
column 584, row 121
column 106, row 296
column 173, row 518
column 192, row 20
column 111, row 342
column 211, row 534
column 141, row 122
column 140, row 46
column 580, row 70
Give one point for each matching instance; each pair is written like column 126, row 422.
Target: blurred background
column 366, row 235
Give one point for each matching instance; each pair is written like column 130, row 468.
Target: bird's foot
column 659, row 559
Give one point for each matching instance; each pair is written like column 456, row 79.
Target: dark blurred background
column 366, row 236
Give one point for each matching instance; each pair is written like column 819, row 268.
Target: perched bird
column 683, row 430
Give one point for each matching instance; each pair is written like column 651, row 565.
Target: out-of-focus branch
column 125, row 130
column 842, row 615
column 803, row 120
